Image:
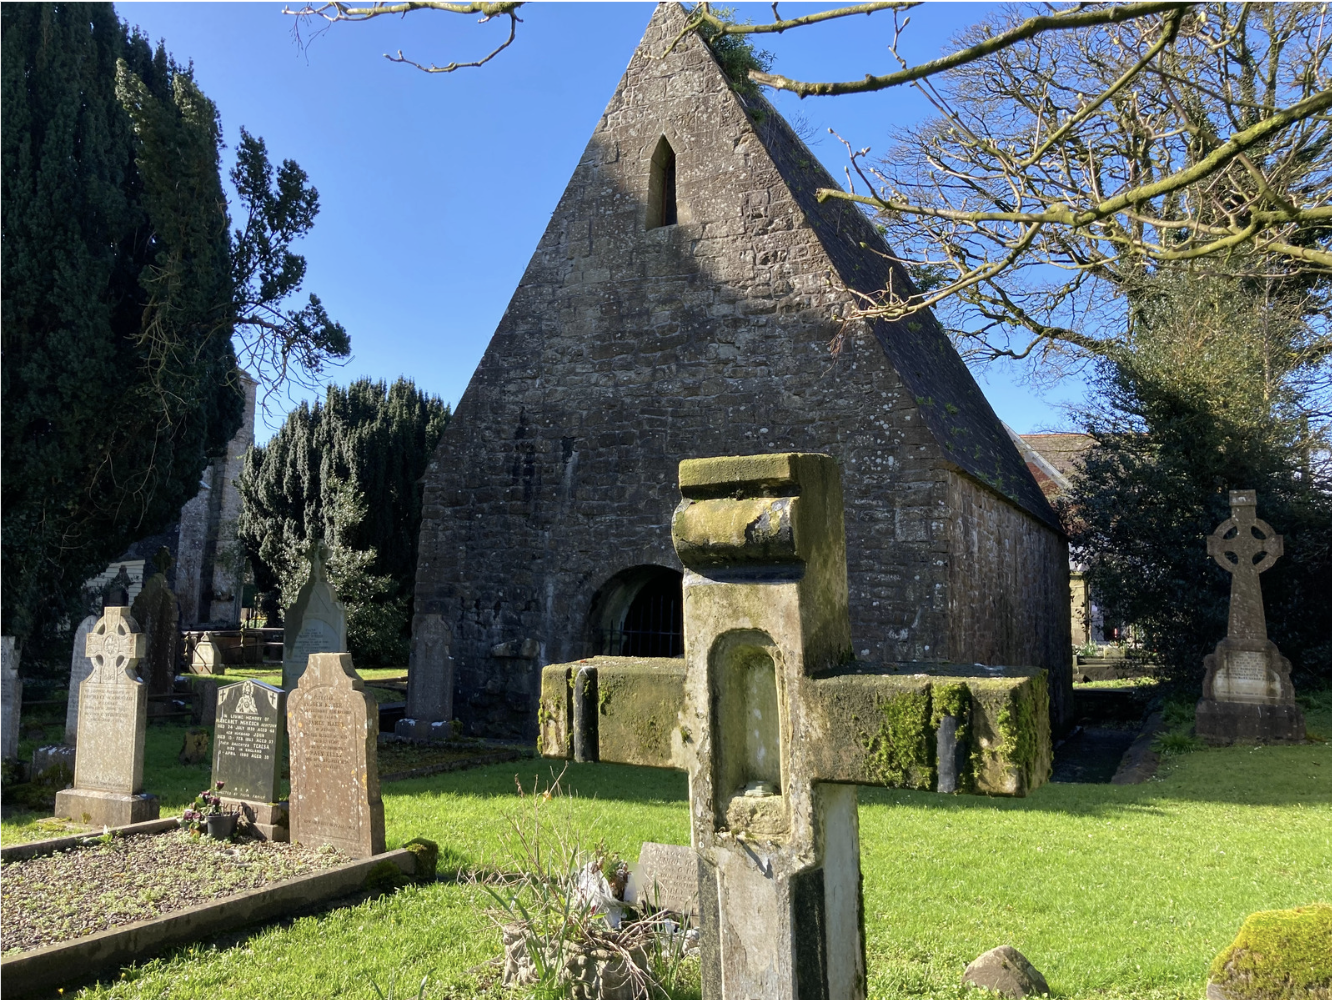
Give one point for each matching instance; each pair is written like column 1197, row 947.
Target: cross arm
column 894, row 729
column 619, row 709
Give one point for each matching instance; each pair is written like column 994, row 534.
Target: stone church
column 681, row 303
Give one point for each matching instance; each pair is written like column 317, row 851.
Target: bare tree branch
column 1079, row 18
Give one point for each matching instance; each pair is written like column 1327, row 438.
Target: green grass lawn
column 1113, row 892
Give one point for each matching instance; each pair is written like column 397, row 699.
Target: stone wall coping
column 44, row 968
column 41, row 848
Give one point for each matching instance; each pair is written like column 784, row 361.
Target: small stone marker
column 11, row 697
column 247, row 753
column 80, row 666
column 1006, row 971
column 1247, row 693
column 776, row 726
column 316, row 623
column 333, row 725
column 113, row 713
column 666, row 877
column 158, row 613
column 207, row 658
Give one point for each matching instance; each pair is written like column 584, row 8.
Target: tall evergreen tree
column 1223, row 390
column 122, row 289
column 346, row 471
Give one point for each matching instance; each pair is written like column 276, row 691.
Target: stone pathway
column 1091, row 755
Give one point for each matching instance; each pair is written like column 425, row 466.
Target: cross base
column 80, row 805
column 1221, row 723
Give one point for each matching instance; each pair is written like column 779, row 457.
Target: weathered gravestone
column 113, row 713
column 775, row 727
column 80, row 666
column 665, row 878
column 1247, row 694
column 333, row 725
column 11, row 698
column 250, row 726
column 206, row 659
column 430, row 693
column 316, row 623
column 158, row 613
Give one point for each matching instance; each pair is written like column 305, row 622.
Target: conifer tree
column 348, row 471
column 122, row 290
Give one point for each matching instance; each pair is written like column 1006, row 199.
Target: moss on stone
column 384, row 877
column 1279, row 955
column 426, row 853
column 1017, row 723
column 901, row 753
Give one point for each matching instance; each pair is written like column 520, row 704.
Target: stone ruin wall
column 1007, row 589
column 626, row 349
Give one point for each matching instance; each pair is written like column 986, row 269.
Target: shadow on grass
column 1247, row 776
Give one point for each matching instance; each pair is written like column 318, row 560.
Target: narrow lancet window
column 661, row 187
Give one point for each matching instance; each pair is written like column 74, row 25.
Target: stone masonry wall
column 626, row 349
column 1007, row 589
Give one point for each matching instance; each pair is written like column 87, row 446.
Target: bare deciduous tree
column 1073, row 146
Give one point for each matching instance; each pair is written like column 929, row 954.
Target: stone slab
column 11, row 698
column 316, row 623
column 98, row 808
column 49, row 967
column 48, row 758
column 80, row 666
column 157, row 612
column 248, row 734
column 665, row 877
column 333, row 726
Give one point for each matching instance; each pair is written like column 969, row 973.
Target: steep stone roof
column 952, row 404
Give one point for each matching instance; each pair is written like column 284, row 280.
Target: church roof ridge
column 953, row 406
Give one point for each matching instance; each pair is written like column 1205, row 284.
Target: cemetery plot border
column 80, row 958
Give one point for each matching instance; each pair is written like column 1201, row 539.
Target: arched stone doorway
column 639, row 612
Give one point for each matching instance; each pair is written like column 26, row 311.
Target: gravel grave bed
column 89, row 889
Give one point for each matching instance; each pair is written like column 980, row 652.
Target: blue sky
column 435, row 189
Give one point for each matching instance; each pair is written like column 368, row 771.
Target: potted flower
column 206, row 815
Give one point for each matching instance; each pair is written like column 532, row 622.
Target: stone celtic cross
column 1246, row 692
column 776, row 726
column 1245, row 546
column 115, row 645
column 113, row 714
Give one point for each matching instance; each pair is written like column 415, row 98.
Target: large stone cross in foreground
column 1247, row 694
column 776, row 726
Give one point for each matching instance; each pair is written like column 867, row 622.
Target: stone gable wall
column 625, row 350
